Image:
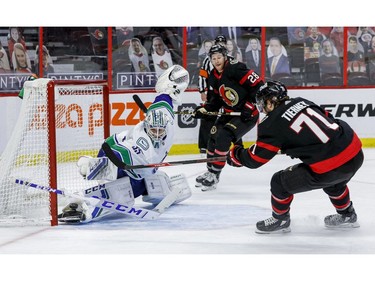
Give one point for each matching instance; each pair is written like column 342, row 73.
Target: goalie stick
column 143, row 107
column 119, row 164
column 137, row 212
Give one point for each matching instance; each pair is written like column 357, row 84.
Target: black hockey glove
column 199, row 112
column 233, row 156
column 249, row 112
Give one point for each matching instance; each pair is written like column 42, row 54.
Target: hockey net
column 59, row 121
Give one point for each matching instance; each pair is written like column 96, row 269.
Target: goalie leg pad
column 160, row 185
column 99, row 168
column 119, row 191
column 180, row 182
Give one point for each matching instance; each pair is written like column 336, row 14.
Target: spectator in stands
column 371, row 60
column 15, row 36
column 47, row 62
column 337, row 37
column 161, row 56
column 313, row 43
column 253, row 54
column 4, row 61
column 203, row 51
column 364, row 36
column 138, row 56
column 20, row 59
column 356, row 57
column 329, row 62
column 277, row 57
column 314, row 36
column 233, row 50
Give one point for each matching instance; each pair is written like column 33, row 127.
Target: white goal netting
column 78, row 130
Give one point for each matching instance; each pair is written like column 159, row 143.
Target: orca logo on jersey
column 229, row 95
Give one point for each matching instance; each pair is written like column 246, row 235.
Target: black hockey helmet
column 220, row 39
column 274, row 91
column 217, row 49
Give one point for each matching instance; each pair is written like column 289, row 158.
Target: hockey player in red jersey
column 329, row 150
column 234, row 87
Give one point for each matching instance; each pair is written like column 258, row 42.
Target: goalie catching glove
column 199, row 112
column 249, row 112
column 233, row 157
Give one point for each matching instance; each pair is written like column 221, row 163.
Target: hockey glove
column 199, row 112
column 233, row 156
column 249, row 112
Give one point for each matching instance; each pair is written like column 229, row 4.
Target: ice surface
column 220, row 222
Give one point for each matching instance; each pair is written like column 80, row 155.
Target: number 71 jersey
column 301, row 129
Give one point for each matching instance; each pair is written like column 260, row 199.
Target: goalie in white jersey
column 148, row 142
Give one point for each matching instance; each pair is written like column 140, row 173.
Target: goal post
column 59, row 121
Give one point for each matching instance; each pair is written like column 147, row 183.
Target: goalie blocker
column 159, row 187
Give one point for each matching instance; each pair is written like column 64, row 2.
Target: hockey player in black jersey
column 329, row 150
column 234, row 87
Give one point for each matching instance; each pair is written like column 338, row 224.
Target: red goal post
column 59, row 121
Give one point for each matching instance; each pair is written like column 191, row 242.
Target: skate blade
column 280, row 231
column 197, row 185
column 205, row 188
column 344, row 225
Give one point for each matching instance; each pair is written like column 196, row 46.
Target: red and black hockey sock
column 341, row 201
column 281, row 207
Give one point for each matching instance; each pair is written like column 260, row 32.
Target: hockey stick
column 137, row 212
column 140, row 103
column 209, row 113
column 143, row 107
column 119, row 164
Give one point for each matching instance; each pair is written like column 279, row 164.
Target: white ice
column 220, row 222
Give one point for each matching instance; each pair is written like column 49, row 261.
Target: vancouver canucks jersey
column 135, row 147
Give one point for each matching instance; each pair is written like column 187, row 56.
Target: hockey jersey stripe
column 268, row 146
column 162, row 105
column 257, row 158
column 243, row 80
column 344, row 156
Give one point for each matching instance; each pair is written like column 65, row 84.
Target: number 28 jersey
column 233, row 87
column 301, row 129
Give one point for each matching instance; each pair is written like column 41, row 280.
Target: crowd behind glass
column 297, row 56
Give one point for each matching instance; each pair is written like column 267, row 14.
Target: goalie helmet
column 156, row 125
column 173, row 82
column 274, row 91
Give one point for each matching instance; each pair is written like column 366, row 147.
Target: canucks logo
column 229, row 95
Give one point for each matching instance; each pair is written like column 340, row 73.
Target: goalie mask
column 156, row 125
column 173, row 82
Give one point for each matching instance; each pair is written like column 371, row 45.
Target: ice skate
column 199, row 179
column 72, row 213
column 273, row 225
column 210, row 182
column 346, row 220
